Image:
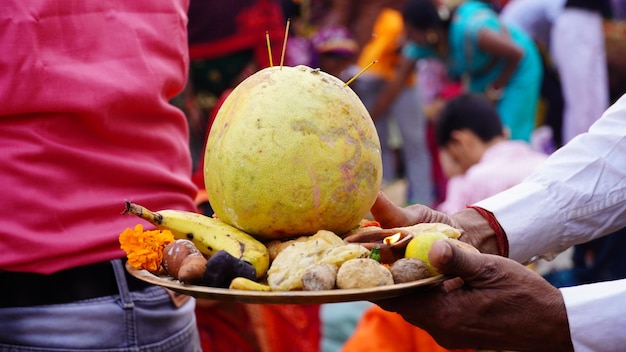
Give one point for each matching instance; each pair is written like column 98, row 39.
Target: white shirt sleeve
column 597, row 316
column 577, row 195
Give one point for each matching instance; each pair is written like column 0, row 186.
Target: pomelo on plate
column 292, row 151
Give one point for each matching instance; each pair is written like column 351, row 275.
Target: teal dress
column 520, row 98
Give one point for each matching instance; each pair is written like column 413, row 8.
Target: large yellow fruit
column 292, row 151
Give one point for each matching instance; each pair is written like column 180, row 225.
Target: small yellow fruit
column 419, row 246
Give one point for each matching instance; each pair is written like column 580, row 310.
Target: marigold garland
column 144, row 249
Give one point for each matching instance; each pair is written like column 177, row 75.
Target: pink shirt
column 85, row 124
column 502, row 166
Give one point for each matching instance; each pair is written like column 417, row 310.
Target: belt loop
column 122, row 284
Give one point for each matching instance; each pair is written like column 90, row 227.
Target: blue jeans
column 145, row 320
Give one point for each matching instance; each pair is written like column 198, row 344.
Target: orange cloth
column 385, row 46
column 383, row 331
column 225, row 326
column 237, row 327
column 286, row 328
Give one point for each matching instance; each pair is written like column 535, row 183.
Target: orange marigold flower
column 144, row 249
column 368, row 223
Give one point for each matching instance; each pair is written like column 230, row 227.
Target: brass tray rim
column 283, row 297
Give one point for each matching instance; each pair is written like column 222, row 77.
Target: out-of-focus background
column 229, row 40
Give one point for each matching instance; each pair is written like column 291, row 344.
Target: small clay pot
column 372, row 238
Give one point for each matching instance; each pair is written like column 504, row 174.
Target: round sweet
column 408, row 269
column 363, row 273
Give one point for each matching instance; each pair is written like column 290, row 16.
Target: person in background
column 86, row 124
column 405, row 109
column 536, row 18
column 578, row 50
column 570, row 34
column 359, row 16
column 494, row 59
column 335, row 50
column 314, row 43
column 494, row 302
column 478, row 152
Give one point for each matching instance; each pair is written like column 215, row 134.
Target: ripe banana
column 242, row 283
column 210, row 235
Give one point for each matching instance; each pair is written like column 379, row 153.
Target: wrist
column 502, row 242
column 479, row 232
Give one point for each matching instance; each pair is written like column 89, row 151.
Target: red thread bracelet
column 501, row 240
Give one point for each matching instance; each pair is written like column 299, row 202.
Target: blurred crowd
column 468, row 97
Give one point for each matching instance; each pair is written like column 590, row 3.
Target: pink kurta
column 502, row 166
column 85, row 124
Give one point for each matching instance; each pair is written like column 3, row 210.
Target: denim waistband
column 20, row 289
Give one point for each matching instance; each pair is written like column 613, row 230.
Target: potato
column 192, row 269
column 363, row 273
column 175, row 252
column 320, row 277
column 409, row 269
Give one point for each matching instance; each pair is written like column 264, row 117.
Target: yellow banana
column 242, row 283
column 208, row 234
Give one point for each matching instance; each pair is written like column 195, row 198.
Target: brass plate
column 284, row 297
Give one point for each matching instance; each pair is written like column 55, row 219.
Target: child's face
column 449, row 166
column 461, row 149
